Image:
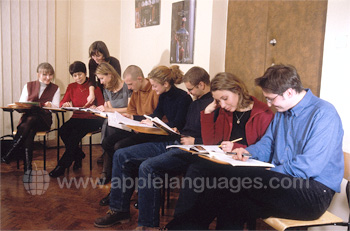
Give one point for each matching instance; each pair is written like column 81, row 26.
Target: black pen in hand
column 235, row 153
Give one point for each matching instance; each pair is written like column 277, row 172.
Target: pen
column 233, row 141
column 235, row 153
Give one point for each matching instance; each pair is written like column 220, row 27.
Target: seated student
column 128, row 159
column 173, row 103
column 32, row 121
column 143, row 101
column 233, row 114
column 80, row 123
column 116, row 95
column 305, row 148
column 99, row 53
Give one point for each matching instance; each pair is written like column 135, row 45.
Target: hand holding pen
column 240, row 154
column 227, row 146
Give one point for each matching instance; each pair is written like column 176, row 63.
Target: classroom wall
column 335, row 79
column 150, row 46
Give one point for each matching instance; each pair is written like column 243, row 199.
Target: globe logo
column 36, row 182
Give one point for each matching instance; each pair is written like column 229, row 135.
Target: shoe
column 104, row 179
column 11, row 154
column 58, row 171
column 77, row 164
column 105, row 201
column 112, row 218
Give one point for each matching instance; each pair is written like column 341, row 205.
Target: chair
column 326, row 219
column 44, row 135
column 90, row 144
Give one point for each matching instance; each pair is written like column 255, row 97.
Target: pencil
column 233, row 141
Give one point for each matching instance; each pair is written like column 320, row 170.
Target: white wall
column 335, row 83
column 336, row 61
column 149, row 47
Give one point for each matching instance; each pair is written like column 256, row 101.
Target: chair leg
column 90, row 153
column 44, row 152
column 58, row 146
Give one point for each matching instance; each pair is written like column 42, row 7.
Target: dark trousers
column 29, row 125
column 71, row 134
column 236, row 195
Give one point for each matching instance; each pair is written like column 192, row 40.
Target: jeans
column 148, row 161
column 126, row 162
column 249, row 193
column 173, row 161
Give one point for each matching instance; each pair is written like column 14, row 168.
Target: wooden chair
column 327, row 218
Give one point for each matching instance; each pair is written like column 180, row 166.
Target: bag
column 6, row 144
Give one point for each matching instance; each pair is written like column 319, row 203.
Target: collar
column 146, row 88
column 304, row 102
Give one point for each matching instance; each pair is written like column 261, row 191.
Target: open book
column 119, row 121
column 216, row 154
column 90, row 110
column 160, row 124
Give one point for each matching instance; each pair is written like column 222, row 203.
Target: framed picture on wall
column 147, row 13
column 182, row 31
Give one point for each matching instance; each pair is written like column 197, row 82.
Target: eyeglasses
column 271, row 100
column 190, row 89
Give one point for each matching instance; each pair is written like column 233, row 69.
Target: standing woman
column 80, row 123
column 48, row 95
column 116, row 95
column 99, row 53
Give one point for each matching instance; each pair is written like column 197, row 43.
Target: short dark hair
column 196, row 75
column 77, row 66
column 134, row 71
column 99, row 46
column 279, row 78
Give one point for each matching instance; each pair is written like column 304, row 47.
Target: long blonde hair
column 106, row 69
column 172, row 75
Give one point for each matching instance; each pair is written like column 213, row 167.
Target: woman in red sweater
column 233, row 114
column 80, row 123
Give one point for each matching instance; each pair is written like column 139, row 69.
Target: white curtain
column 27, row 39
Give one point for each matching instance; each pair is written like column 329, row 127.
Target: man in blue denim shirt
column 304, row 142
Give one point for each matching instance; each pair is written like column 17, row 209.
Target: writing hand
column 101, row 108
column 48, row 104
column 227, row 146
column 147, row 121
column 128, row 116
column 239, row 154
column 187, row 140
column 67, row 104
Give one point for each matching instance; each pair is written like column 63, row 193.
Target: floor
column 66, row 203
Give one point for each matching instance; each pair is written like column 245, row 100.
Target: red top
column 220, row 130
column 77, row 94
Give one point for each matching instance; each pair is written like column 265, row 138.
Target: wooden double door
column 263, row 33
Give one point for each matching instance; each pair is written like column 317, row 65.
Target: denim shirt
column 305, row 142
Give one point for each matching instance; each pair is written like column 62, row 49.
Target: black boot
column 58, row 171
column 78, row 163
column 12, row 152
column 28, row 156
column 106, row 174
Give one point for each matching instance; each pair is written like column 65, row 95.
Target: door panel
column 297, row 26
